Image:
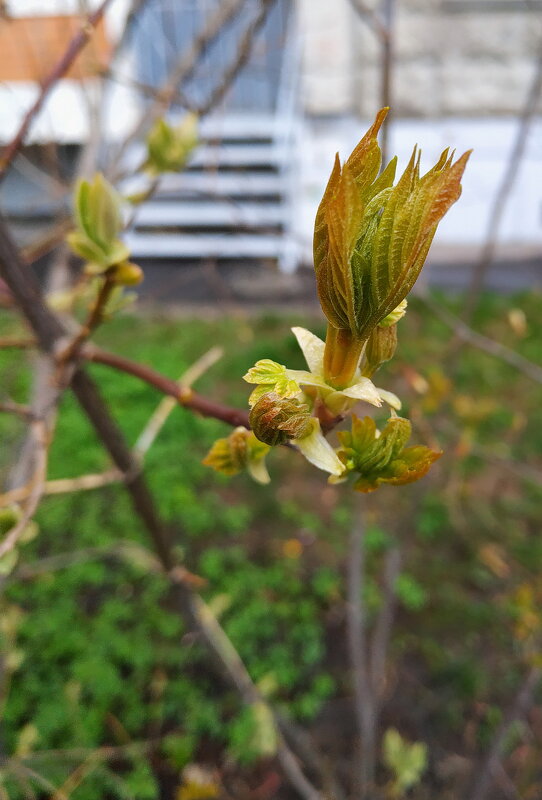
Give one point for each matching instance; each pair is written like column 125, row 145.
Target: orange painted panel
column 31, row 46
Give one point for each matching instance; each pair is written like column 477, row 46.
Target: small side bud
column 381, row 346
column 170, row 146
column 128, row 274
column 275, row 419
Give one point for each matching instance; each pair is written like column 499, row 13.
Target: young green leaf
column 381, row 457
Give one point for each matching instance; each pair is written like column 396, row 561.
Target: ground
column 102, row 660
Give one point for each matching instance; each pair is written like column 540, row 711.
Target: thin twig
column 382, row 632
column 23, row 771
column 504, row 191
column 124, row 551
column 181, row 72
column 184, row 395
column 485, row 773
column 143, row 443
column 166, row 406
column 370, row 16
column 222, row 647
column 358, row 653
column 243, row 52
column 95, row 317
column 73, row 753
column 300, row 741
column 41, row 438
column 9, row 407
column 58, row 71
column 490, row 346
column 64, row 486
column 46, row 242
column 75, row 778
column 7, row 342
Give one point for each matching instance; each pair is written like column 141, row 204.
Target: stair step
column 242, row 126
column 216, row 184
column 172, row 245
column 209, row 214
column 227, row 155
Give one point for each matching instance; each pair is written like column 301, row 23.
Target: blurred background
column 104, row 693
column 281, row 86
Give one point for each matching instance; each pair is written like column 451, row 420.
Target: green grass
column 104, row 659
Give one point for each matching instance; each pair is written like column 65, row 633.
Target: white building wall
column 461, row 75
column 327, row 56
column 451, row 57
column 65, row 117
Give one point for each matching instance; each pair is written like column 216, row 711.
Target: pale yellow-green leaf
column 318, row 451
column 312, row 348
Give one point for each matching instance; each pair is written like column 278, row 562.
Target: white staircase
column 233, row 201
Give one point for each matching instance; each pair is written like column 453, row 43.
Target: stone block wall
column 452, row 58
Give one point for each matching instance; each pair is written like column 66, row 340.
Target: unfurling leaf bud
column 381, row 457
column 381, row 346
column 170, row 146
column 99, row 221
column 371, row 239
column 240, row 450
column 275, row 419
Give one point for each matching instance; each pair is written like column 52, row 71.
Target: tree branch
column 358, row 653
column 382, row 632
column 185, row 396
column 370, row 16
column 59, row 70
column 490, row 346
column 41, row 439
column 485, row 774
column 503, row 192
column 191, row 606
column 181, row 71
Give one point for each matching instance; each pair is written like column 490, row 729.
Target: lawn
column 95, row 657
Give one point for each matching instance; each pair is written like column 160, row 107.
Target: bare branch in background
column 371, row 17
column 8, row 407
column 124, row 551
column 144, row 441
column 240, row 59
column 486, row 772
column 180, row 73
column 490, row 346
column 381, row 23
column 358, row 652
column 166, row 406
column 185, row 397
column 191, row 606
column 7, row 342
column 502, row 196
column 74, row 48
column 384, row 623
column 41, row 445
column 386, row 69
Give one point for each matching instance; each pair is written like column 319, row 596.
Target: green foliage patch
column 104, row 659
